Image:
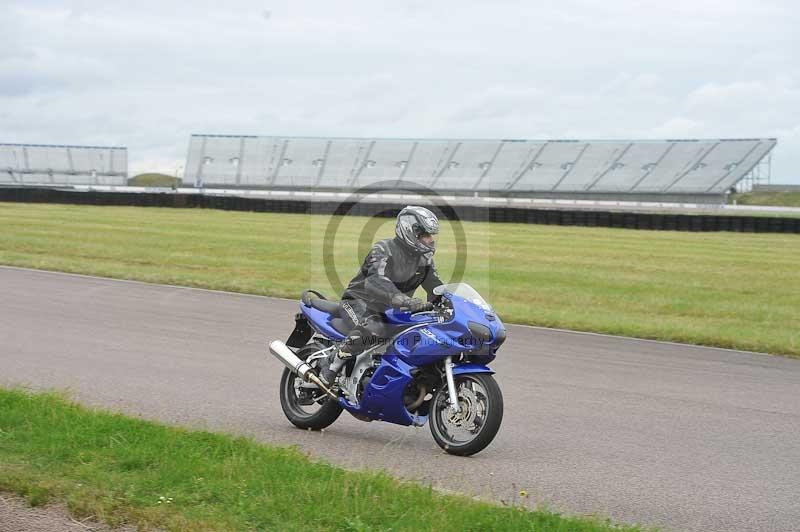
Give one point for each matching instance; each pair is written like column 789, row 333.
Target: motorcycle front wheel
column 474, row 427
column 306, row 408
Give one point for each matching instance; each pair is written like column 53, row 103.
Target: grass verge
column 721, row 289
column 125, row 470
column 154, row 180
column 773, row 199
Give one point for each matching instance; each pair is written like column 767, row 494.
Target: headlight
column 480, row 332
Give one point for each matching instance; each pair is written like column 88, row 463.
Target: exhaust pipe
column 289, row 359
column 280, row 351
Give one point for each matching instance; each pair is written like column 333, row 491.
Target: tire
column 328, row 411
column 492, row 399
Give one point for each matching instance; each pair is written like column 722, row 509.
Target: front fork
column 451, row 383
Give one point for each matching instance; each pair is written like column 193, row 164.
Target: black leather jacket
column 391, row 267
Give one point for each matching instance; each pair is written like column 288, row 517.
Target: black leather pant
column 369, row 326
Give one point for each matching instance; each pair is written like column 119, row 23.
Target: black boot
column 333, row 363
column 326, row 374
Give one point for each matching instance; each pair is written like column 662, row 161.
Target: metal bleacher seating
column 39, row 164
column 553, row 168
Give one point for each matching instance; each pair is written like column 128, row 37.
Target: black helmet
column 414, row 221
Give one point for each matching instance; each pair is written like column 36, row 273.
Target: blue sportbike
column 433, row 368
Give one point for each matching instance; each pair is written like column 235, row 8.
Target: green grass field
column 124, row 470
column 154, row 180
column 721, row 289
column 775, row 199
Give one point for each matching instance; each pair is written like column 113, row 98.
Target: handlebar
column 426, row 308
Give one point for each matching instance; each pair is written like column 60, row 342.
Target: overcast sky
column 148, row 74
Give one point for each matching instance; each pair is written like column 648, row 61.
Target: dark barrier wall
column 589, row 218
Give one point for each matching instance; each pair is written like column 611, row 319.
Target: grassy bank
column 774, row 199
column 154, row 180
column 124, row 470
column 722, row 289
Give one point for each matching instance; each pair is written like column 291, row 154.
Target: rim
column 460, row 428
column 296, row 397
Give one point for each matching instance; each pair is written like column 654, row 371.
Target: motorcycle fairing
column 401, row 317
column 383, row 397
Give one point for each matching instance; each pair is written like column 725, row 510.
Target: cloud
column 679, row 127
column 147, row 75
column 759, row 104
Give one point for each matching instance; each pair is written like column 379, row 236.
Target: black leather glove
column 400, row 300
column 412, row 304
column 417, row 305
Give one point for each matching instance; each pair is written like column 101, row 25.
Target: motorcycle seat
column 338, row 320
column 343, row 326
column 319, row 302
column 325, row 305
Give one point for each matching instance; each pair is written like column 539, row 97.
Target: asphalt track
column 682, row 437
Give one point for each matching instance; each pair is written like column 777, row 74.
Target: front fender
column 471, row 368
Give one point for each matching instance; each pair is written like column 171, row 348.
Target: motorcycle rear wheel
column 325, row 410
column 475, row 426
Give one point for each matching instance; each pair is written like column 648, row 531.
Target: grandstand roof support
column 198, row 180
column 655, row 165
column 528, row 166
column 408, row 163
column 571, row 166
column 26, row 159
column 240, row 164
column 445, row 166
column 323, row 163
column 693, row 167
column 360, row 167
column 740, row 161
column 69, row 161
column 610, row 168
column 279, row 163
column 489, row 166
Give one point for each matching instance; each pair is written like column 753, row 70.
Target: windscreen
column 465, row 291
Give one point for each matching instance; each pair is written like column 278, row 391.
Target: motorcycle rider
column 391, row 272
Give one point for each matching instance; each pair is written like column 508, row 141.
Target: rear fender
column 302, row 332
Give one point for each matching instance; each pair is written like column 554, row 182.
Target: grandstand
column 678, row 170
column 42, row 164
